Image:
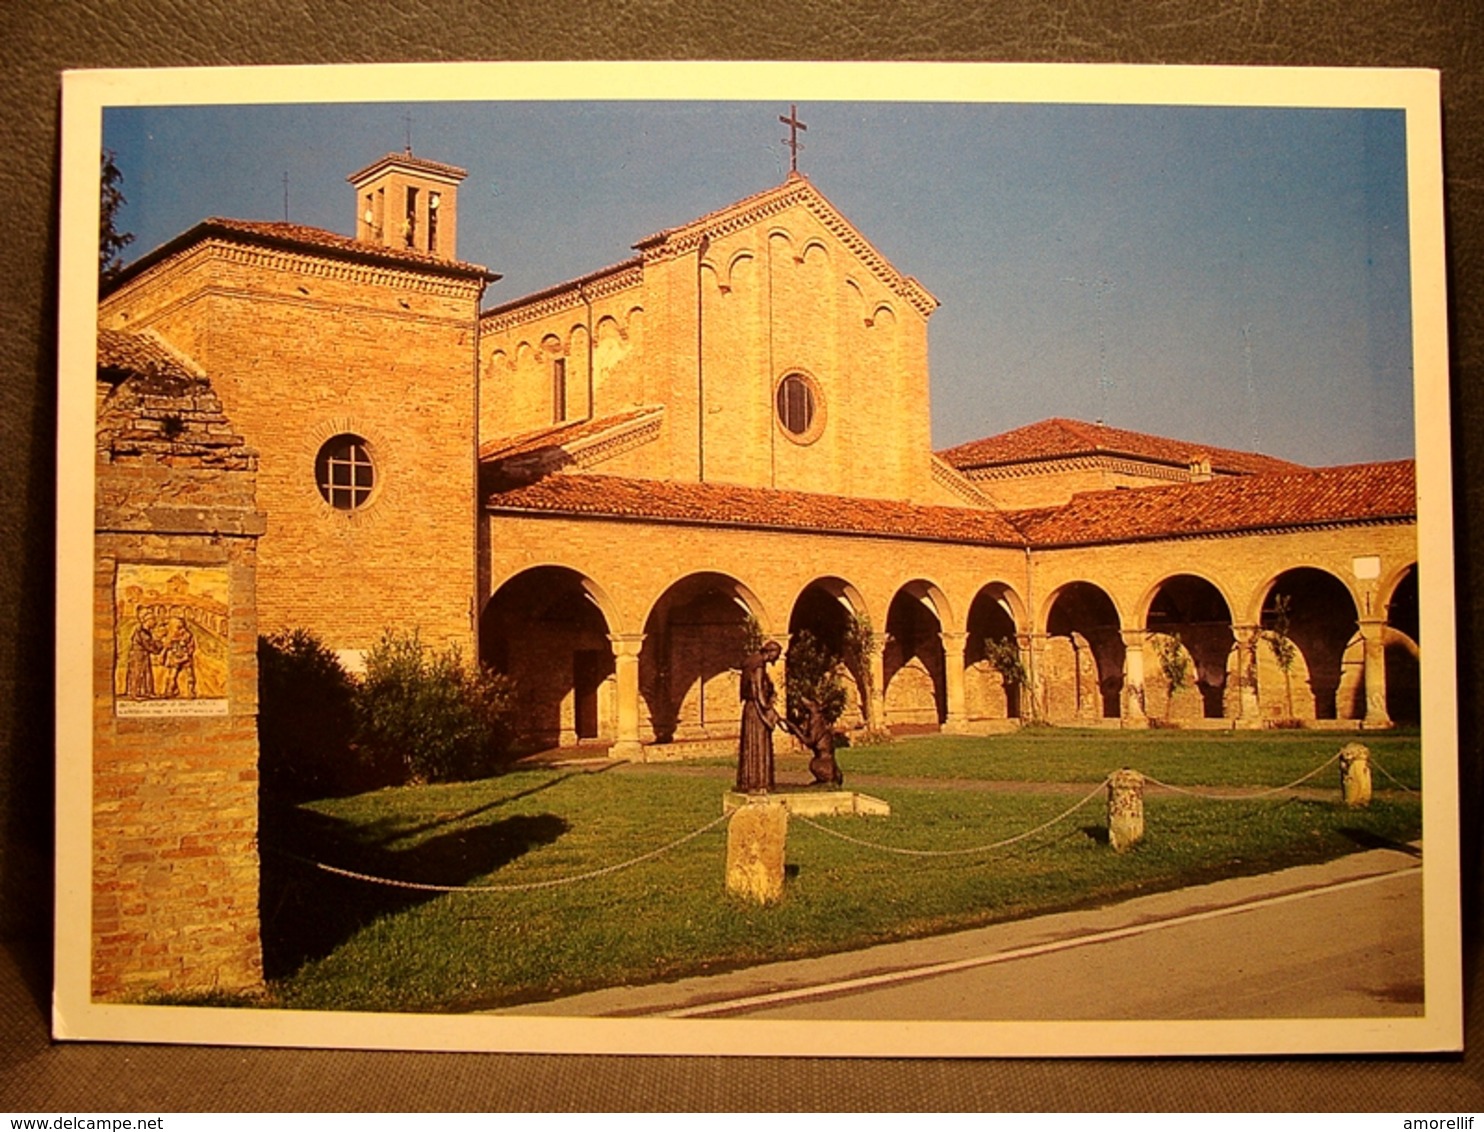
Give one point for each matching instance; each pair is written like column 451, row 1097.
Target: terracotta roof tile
column 1059, row 438
column 555, row 436
column 299, row 236
column 727, row 505
column 1356, row 493
column 127, row 353
column 405, row 158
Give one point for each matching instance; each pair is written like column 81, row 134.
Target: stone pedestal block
column 1125, row 809
column 1355, row 775
column 756, row 838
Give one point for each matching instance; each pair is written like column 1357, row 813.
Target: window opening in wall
column 795, row 404
column 368, row 218
column 380, row 213
column 433, row 201
column 344, row 473
column 559, row 390
column 409, row 225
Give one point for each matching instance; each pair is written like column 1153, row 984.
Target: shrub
column 813, row 674
column 306, row 718
column 433, row 715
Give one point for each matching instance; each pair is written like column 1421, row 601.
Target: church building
column 607, row 488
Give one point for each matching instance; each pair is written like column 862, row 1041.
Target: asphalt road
column 1338, row 940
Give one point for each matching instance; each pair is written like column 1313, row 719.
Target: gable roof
column 1357, row 493
column 796, row 190
column 664, row 501
column 546, row 449
column 300, row 238
column 1059, row 438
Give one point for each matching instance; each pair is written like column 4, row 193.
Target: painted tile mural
column 170, row 640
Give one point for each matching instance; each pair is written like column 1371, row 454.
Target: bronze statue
column 818, row 736
column 759, row 718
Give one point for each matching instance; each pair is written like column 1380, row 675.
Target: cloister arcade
column 650, row 657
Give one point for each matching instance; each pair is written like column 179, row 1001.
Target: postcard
column 788, row 559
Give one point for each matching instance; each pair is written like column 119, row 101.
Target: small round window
column 796, row 405
column 344, row 473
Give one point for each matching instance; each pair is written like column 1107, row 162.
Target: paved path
column 1341, row 939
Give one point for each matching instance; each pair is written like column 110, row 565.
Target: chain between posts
column 1244, row 797
column 1093, row 793
column 531, row 887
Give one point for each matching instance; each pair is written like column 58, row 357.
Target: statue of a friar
column 759, row 718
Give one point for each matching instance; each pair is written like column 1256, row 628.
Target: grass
column 337, row 943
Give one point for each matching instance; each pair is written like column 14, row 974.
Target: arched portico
column 1080, row 670
column 548, row 628
column 1310, row 663
column 1402, row 641
column 829, row 615
column 914, row 673
column 995, row 618
column 695, row 639
column 1188, row 623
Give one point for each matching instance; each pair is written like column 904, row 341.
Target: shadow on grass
column 1098, row 833
column 306, row 912
column 1368, row 840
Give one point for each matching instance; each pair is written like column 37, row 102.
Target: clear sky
column 1236, row 277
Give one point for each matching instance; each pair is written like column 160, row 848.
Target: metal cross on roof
column 793, row 143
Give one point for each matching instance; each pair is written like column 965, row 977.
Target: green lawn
column 337, row 943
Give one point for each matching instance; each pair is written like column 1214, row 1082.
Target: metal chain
column 1391, row 776
column 1243, row 797
column 959, row 852
column 531, row 887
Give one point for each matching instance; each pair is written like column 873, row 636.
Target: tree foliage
column 432, row 713
column 306, row 719
column 813, row 674
column 111, row 241
column 1174, row 665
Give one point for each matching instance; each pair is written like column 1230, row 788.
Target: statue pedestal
column 814, row 803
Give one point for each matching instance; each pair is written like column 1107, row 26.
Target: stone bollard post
column 1355, row 775
column 756, row 837
column 1125, row 809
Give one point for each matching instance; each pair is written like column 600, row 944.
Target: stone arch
column 1081, row 675
column 1324, row 680
column 883, row 316
column 547, row 628
column 995, row 614
column 1402, row 639
column 914, row 677
column 552, row 346
column 825, row 610
column 696, row 636
column 1190, row 616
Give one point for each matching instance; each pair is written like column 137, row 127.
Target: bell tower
column 409, row 203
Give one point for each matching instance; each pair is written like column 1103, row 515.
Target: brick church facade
column 605, row 487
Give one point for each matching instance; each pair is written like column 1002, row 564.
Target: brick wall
column 175, row 781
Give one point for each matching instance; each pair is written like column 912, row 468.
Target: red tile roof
column 555, row 436
column 300, row 237
column 1313, row 497
column 726, row 505
column 1059, row 438
column 406, row 158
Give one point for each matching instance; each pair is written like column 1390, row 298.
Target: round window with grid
column 344, row 472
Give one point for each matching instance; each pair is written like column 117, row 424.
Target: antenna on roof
column 407, row 121
column 285, row 196
column 1251, row 384
column 1100, row 287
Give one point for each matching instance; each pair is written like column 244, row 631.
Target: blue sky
column 1231, row 276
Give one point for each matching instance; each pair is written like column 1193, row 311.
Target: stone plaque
column 170, row 640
